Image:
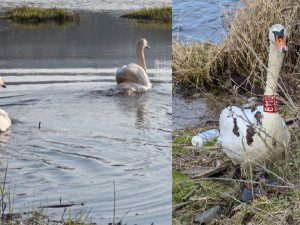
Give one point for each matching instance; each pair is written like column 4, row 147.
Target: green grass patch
column 180, row 141
column 182, row 185
column 176, row 151
column 158, row 14
column 147, row 24
column 26, row 14
column 211, row 143
column 184, row 138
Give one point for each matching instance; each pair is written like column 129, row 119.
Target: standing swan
column 4, row 119
column 133, row 77
column 259, row 136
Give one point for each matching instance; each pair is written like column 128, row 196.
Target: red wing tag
column 270, row 103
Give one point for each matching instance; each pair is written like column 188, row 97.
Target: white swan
column 259, row 136
column 133, row 77
column 5, row 122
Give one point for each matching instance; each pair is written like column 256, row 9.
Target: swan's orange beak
column 147, row 46
column 281, row 44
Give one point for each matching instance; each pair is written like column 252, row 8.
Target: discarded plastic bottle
column 200, row 139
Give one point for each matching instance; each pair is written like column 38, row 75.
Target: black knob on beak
column 283, row 50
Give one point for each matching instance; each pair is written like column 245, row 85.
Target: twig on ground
column 191, row 193
column 180, row 205
column 247, row 181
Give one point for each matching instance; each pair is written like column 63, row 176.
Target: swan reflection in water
column 4, row 156
column 139, row 105
column 135, row 103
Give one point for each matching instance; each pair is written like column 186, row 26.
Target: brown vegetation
column 243, row 54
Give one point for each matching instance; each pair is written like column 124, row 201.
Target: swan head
column 143, row 43
column 277, row 35
column 2, row 84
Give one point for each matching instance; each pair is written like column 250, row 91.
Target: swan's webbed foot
column 264, row 178
column 248, row 193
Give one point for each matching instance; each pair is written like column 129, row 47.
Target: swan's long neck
column 140, row 57
column 274, row 67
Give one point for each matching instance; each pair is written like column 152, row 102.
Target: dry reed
column 243, row 54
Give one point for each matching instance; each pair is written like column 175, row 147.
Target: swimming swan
column 5, row 122
column 133, row 77
column 258, row 136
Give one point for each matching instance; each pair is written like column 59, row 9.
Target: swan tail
column 131, row 88
column 126, row 77
column 128, row 91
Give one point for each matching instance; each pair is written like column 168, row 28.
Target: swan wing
column 5, row 122
column 248, row 136
column 234, row 123
column 131, row 73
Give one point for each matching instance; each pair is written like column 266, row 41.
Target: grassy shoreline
column 158, row 14
column 32, row 15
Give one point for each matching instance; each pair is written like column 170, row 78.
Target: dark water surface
column 187, row 113
column 195, row 20
column 89, row 137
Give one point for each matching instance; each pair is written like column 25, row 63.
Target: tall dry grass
column 196, row 63
column 243, row 54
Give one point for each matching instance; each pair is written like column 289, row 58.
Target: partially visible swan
column 133, row 77
column 5, row 122
column 258, row 136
